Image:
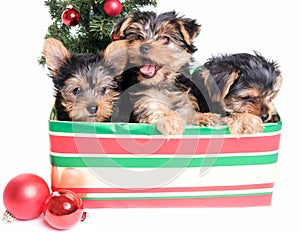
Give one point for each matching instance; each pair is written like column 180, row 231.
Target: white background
column 268, row 26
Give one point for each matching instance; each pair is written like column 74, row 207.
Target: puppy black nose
column 145, row 48
column 92, row 109
column 264, row 116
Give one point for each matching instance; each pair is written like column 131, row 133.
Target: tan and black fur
column 160, row 48
column 85, row 85
column 246, row 86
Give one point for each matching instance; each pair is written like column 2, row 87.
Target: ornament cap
column 7, row 217
column 69, row 6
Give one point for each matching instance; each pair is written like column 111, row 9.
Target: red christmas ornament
column 24, row 197
column 114, row 36
column 112, row 7
column 70, row 16
column 63, row 209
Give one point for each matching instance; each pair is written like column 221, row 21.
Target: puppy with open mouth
column 160, row 49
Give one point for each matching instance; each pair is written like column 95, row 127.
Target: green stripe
column 174, row 197
column 194, row 69
column 140, row 129
column 162, row 162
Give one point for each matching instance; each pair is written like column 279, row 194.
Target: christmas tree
column 86, row 26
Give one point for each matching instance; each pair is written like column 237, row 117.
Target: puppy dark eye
column 250, row 99
column 140, row 37
column 102, row 90
column 164, row 39
column 76, row 91
column 247, row 97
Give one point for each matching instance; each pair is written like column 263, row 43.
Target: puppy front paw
column 208, row 119
column 170, row 125
column 244, row 123
column 274, row 119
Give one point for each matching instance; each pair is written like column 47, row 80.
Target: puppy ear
column 121, row 26
column 276, row 86
column 189, row 30
column 218, row 84
column 115, row 55
column 55, row 54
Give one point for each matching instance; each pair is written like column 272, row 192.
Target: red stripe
column 91, row 145
column 232, row 201
column 171, row 189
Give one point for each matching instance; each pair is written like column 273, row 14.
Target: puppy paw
column 208, row 119
column 170, row 125
column 274, row 119
column 246, row 123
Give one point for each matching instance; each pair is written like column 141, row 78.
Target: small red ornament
column 24, row 197
column 114, row 36
column 63, row 209
column 112, row 7
column 70, row 16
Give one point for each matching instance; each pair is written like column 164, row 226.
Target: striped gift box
column 132, row 165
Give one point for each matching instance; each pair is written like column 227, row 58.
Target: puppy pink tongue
column 148, row 70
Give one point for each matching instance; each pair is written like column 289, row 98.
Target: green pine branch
column 94, row 31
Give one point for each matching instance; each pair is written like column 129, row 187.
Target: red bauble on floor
column 24, row 196
column 63, row 209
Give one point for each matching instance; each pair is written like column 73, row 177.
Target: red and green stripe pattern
column 133, row 165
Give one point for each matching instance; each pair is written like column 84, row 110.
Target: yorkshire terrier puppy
column 147, row 30
column 85, row 85
column 160, row 49
column 245, row 85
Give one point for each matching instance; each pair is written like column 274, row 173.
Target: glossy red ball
column 24, row 196
column 70, row 17
column 112, row 7
column 114, row 37
column 63, row 209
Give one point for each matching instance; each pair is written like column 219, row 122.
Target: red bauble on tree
column 70, row 16
column 112, row 7
column 114, row 37
column 24, row 197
